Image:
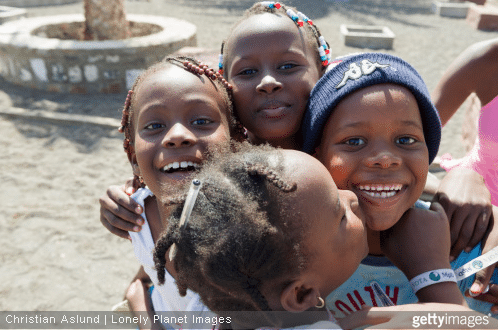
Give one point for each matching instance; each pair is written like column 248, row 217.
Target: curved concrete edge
column 19, row 33
column 11, row 13
column 36, row 3
column 69, row 66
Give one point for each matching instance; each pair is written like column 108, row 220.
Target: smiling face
column 179, row 117
column 272, row 69
column 335, row 239
column 373, row 144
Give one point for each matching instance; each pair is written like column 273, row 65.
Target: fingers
column 119, row 213
column 481, row 281
column 464, row 236
column 480, row 229
column 114, row 230
column 491, row 297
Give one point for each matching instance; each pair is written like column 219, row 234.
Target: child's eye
column 406, row 140
column 355, row 142
column 247, row 72
column 287, row 66
column 154, row 126
column 202, row 121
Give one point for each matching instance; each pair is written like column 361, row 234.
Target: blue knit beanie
column 359, row 71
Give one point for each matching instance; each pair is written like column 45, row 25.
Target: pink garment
column 483, row 158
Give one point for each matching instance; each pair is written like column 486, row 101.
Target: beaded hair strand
column 190, row 64
column 323, row 49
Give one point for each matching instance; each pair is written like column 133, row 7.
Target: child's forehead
column 263, row 25
column 171, row 77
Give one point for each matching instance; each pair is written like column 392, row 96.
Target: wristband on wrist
column 432, row 277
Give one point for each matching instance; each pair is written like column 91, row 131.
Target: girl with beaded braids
column 177, row 112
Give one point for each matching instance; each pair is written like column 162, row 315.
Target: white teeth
column 381, row 191
column 381, row 195
column 382, row 188
column 177, row 165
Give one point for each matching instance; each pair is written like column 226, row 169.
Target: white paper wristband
column 432, row 277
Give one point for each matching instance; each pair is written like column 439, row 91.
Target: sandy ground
column 55, row 255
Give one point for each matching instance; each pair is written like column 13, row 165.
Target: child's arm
column 118, row 212
column 474, row 70
column 467, row 202
column 139, row 299
column 418, row 243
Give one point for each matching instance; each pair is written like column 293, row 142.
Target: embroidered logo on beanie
column 356, row 71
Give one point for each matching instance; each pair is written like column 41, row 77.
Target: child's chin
column 380, row 222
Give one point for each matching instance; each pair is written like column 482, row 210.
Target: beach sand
column 55, row 253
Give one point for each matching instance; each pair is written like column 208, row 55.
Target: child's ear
column 298, row 297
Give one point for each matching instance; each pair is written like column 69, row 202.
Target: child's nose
column 384, row 159
column 269, row 84
column 179, row 136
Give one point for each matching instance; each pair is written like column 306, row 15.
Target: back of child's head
column 241, row 232
column 358, row 71
column 311, row 32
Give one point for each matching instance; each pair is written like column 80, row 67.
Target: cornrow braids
column 312, row 32
column 238, row 236
column 192, row 65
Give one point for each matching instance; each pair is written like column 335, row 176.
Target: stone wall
column 71, row 66
column 35, row 3
column 11, row 13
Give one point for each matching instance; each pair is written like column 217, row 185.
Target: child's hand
column 118, row 212
column 467, row 203
column 419, row 241
column 483, row 276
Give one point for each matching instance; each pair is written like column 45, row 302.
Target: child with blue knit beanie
column 371, row 122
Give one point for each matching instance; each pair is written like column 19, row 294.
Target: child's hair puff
column 238, row 235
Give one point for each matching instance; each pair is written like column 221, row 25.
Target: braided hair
column 311, row 31
column 238, row 236
column 193, row 66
